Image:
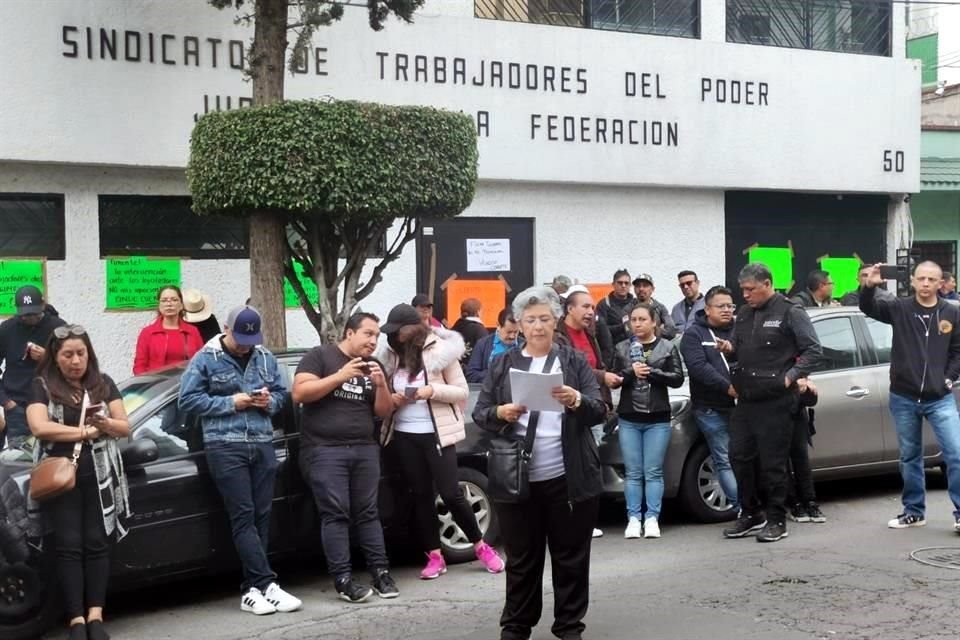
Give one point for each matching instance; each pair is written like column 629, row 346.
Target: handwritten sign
column 843, row 272
column 492, row 295
column 780, row 262
column 290, row 299
column 15, row 274
column 133, row 283
column 488, row 254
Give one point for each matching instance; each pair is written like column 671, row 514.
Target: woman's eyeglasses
column 65, row 331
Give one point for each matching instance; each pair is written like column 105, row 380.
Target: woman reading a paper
column 564, row 470
column 73, row 405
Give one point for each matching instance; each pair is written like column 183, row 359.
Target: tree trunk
column 267, row 62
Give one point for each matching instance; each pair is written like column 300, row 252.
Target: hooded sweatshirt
column 926, row 342
column 18, row 371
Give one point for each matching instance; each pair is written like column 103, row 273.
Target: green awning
column 940, row 174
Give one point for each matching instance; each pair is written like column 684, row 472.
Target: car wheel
column 29, row 603
column 454, row 543
column 700, row 489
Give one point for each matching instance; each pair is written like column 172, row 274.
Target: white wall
column 827, row 120
column 622, row 223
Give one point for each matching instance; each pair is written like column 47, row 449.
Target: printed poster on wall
column 488, row 254
column 133, row 283
column 15, row 274
column 290, row 299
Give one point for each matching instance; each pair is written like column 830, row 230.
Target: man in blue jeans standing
column 711, row 392
column 342, row 389
column 234, row 385
column 924, row 362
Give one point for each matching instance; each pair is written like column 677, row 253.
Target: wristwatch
column 578, row 401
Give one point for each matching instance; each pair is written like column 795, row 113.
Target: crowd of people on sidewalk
column 404, row 384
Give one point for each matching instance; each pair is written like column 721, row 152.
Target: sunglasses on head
column 65, row 331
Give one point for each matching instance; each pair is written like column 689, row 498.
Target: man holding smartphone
column 234, row 385
column 924, row 362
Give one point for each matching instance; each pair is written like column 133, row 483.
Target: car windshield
column 141, row 390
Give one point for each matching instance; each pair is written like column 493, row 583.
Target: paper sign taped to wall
column 15, row 274
column 599, row 291
column 492, row 295
column 780, row 262
column 290, row 299
column 843, row 272
column 133, row 283
column 488, row 254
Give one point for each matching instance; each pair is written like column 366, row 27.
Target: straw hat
column 197, row 306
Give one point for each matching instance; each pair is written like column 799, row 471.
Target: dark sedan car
column 179, row 528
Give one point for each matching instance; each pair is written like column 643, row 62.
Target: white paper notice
column 532, row 390
column 488, row 254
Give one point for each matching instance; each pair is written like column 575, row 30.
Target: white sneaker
column 651, row 528
column 283, row 601
column 597, row 533
column 254, row 602
column 634, row 529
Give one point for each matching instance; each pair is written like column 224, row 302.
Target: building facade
column 695, row 137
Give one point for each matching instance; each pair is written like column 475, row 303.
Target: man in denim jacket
column 234, row 385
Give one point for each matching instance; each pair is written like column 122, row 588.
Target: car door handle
column 858, row 392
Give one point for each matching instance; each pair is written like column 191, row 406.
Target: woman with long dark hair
column 647, row 365
column 169, row 339
column 85, row 518
column 430, row 393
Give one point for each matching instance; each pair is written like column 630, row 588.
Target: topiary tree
column 340, row 173
column 273, row 20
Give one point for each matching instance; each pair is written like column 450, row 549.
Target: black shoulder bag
column 508, row 459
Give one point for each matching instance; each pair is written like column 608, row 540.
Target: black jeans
column 345, row 483
column 760, row 435
column 423, row 467
column 800, row 481
column 245, row 474
column 81, row 543
column 547, row 518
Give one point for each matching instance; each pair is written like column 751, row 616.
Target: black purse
column 508, row 459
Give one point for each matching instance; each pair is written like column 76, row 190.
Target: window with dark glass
column 32, row 226
column 854, row 26
column 839, row 344
column 167, row 226
column 663, row 17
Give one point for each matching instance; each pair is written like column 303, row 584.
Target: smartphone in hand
column 410, row 393
column 893, row 271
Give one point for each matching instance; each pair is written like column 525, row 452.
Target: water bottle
column 636, row 350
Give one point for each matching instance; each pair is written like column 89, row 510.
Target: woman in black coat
column 565, row 482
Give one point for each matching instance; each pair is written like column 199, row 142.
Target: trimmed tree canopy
column 343, row 160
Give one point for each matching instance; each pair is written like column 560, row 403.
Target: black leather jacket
column 581, row 459
column 650, row 395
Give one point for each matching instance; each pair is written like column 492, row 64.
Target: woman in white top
column 565, row 481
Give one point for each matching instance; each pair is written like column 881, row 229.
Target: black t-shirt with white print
column 344, row 416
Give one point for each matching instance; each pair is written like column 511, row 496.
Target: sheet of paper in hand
column 532, row 390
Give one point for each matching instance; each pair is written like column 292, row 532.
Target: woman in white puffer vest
column 430, row 393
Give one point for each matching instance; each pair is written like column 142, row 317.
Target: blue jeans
column 244, row 473
column 713, row 425
column 943, row 417
column 643, row 447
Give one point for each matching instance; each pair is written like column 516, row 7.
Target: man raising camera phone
column 923, row 365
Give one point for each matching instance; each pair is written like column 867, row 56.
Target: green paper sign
column 132, row 283
column 843, row 272
column 780, row 262
column 15, row 274
column 290, row 299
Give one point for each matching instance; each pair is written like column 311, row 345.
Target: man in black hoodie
column 22, row 342
column 924, row 362
column 711, row 392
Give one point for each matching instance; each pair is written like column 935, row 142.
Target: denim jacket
column 214, row 376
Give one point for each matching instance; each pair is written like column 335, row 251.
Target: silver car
column 855, row 433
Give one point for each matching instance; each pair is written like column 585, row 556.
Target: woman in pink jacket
column 430, row 394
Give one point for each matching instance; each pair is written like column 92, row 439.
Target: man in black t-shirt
column 341, row 388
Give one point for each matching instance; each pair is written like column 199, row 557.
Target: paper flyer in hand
column 532, row 390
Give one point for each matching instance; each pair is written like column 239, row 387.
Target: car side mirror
column 140, row 452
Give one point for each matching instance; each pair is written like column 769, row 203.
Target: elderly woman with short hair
column 565, row 481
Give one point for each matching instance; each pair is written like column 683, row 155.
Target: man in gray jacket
column 686, row 310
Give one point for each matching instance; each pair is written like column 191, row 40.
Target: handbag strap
column 535, row 415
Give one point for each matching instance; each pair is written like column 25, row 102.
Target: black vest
column 766, row 349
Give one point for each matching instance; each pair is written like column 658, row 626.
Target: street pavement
column 850, row 578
